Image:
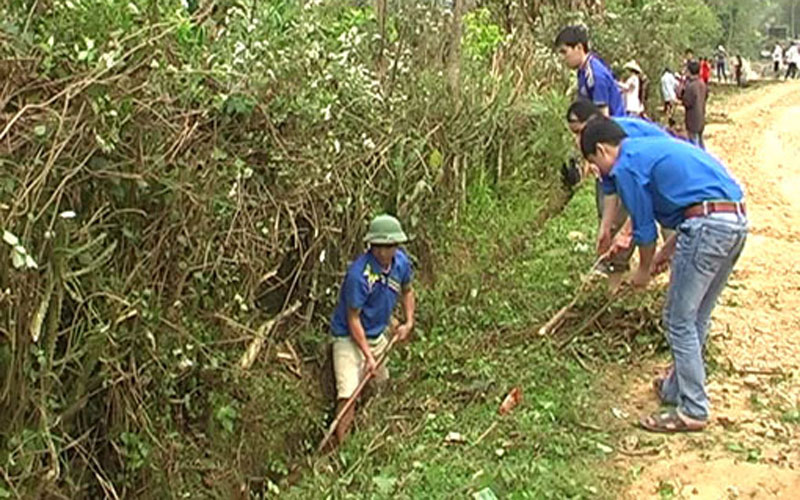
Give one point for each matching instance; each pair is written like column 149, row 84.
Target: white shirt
column 632, row 102
column 777, row 54
column 793, row 55
column 669, row 87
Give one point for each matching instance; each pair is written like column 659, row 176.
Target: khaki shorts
column 348, row 363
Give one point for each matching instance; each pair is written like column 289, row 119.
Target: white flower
column 326, row 113
column 17, row 259
column 67, row 214
column 10, row 238
column 108, row 59
column 369, row 143
column 322, row 256
column 30, row 263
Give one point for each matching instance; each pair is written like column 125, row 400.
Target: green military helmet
column 385, row 230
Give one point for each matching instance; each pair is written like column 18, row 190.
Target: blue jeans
column 707, row 249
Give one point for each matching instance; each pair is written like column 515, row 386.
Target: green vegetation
column 175, row 174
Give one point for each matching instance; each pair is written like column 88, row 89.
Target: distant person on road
column 705, row 70
column 792, row 61
column 738, row 70
column 362, row 322
column 722, row 61
column 777, row 59
column 669, row 91
column 695, row 94
column 686, row 189
column 632, row 90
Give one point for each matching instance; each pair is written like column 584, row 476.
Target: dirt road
column 752, row 449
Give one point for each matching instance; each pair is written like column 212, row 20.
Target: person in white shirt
column 632, row 90
column 669, row 91
column 777, row 58
column 792, row 60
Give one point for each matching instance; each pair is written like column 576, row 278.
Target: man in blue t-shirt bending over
column 683, row 188
column 613, row 216
column 362, row 319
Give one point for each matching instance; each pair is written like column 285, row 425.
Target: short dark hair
column 581, row 110
column 572, row 36
column 600, row 130
column 693, row 67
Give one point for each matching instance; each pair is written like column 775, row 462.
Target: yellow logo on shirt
column 372, row 276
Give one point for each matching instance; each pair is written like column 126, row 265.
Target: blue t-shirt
column 597, row 83
column 634, row 128
column 659, row 178
column 371, row 290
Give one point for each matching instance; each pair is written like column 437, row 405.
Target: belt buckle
column 705, row 208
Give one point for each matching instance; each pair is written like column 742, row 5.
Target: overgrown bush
column 176, row 173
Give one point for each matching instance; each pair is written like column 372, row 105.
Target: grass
column 480, row 343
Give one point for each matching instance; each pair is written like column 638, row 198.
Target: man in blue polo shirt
column 684, row 188
column 362, row 319
column 596, row 82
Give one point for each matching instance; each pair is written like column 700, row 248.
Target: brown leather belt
column 715, row 207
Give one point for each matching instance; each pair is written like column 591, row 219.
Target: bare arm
column 409, row 306
column 642, row 276
column 664, row 254
column 610, row 203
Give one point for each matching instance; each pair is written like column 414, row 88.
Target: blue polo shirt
column 639, row 127
column 658, row 178
column 634, row 128
column 371, row 290
column 597, row 83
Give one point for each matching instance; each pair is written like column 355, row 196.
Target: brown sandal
column 671, row 422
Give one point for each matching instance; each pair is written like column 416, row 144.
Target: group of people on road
column 646, row 178
column 790, row 57
column 689, row 88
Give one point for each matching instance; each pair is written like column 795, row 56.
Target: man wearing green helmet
column 362, row 318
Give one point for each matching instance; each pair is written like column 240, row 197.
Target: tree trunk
column 380, row 59
column 454, row 62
